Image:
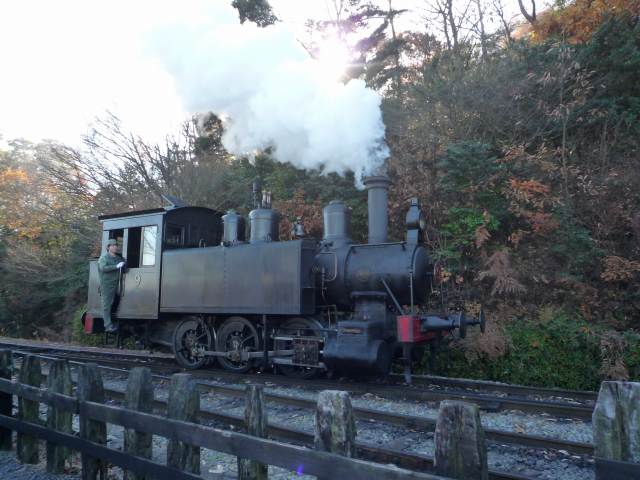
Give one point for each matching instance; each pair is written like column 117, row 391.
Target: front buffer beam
column 420, row 329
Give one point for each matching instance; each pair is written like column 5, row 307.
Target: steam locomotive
column 195, row 283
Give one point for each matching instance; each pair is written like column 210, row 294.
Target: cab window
column 174, row 236
column 141, row 246
column 149, row 237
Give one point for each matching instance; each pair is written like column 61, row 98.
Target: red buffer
column 91, row 324
column 423, row 328
column 416, row 329
column 410, row 330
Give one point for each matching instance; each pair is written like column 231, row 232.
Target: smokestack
column 377, row 188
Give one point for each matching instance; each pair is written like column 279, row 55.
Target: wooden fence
column 330, row 459
column 460, row 450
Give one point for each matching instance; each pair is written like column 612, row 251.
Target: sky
column 68, row 61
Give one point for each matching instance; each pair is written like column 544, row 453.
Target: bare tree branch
column 531, row 17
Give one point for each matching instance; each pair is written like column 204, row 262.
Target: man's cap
column 112, row 241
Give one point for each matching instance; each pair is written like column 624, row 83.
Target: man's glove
column 120, row 265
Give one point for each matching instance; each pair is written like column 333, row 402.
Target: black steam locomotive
column 195, row 284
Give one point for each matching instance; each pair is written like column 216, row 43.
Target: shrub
column 77, row 332
column 561, row 352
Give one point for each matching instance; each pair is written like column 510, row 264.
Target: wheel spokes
column 192, row 338
column 236, row 337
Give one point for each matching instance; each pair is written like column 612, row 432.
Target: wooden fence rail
column 459, row 438
column 178, row 432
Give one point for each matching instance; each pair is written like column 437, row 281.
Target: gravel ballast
column 535, row 463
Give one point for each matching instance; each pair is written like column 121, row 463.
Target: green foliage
column 460, row 232
column 467, row 164
column 575, row 250
column 632, row 354
column 472, row 176
column 470, row 179
column 256, row 11
column 77, row 331
column 563, row 352
column 613, row 58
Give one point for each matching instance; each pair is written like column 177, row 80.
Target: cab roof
column 153, row 211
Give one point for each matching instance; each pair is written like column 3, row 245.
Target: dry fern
column 618, row 269
column 504, row 279
column 612, row 346
column 481, row 235
column 491, row 344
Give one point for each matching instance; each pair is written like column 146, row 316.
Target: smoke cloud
column 269, row 92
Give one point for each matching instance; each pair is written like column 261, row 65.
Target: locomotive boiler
column 210, row 288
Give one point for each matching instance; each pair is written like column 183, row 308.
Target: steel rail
column 511, row 389
column 368, row 414
column 485, row 402
column 416, row 392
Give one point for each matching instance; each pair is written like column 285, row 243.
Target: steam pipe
column 377, row 191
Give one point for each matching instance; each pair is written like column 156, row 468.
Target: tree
column 46, row 237
column 377, row 52
column 256, row 11
column 506, row 24
column 579, row 20
column 451, row 20
column 531, row 17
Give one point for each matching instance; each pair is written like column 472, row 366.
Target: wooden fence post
column 91, row 389
column 139, row 396
column 335, row 429
column 255, row 417
column 6, row 399
column 28, row 410
column 616, row 421
column 460, row 450
column 58, row 381
column 184, row 405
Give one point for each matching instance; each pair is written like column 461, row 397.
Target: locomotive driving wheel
column 190, row 339
column 237, row 335
column 300, row 327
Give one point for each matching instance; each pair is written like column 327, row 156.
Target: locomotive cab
column 142, row 236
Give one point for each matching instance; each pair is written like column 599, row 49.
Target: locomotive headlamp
column 415, row 218
column 416, row 222
column 422, row 221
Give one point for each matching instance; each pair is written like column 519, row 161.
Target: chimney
column 377, row 188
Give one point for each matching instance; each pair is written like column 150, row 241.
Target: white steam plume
column 270, row 92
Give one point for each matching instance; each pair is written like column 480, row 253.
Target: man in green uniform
column 109, row 267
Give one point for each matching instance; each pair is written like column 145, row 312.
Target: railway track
column 585, row 397
column 484, row 401
column 119, row 362
column 511, row 397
